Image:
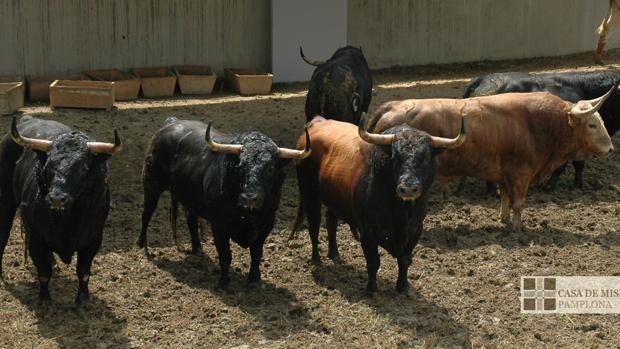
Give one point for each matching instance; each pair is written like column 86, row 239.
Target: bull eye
column 592, row 126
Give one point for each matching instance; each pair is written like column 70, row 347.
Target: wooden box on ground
column 11, row 97
column 82, row 94
column 248, row 81
column 126, row 86
column 156, row 82
column 195, row 80
column 39, row 86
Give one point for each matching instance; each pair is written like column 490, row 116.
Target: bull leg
column 256, row 254
column 518, row 200
column 504, row 214
column 41, row 259
column 491, row 189
column 222, row 245
column 192, row 225
column 579, row 166
column 7, row 213
column 332, row 228
column 402, row 284
column 553, row 180
column 371, row 253
column 84, row 262
column 314, row 224
column 174, row 212
column 151, row 198
column 354, row 232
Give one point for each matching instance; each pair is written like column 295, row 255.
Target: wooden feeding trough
column 11, row 97
column 156, row 82
column 195, row 80
column 126, row 86
column 39, row 86
column 248, row 81
column 82, row 94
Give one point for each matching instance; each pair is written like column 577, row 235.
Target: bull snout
column 251, row 201
column 58, row 200
column 408, row 192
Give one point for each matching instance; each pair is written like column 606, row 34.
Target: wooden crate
column 195, row 80
column 82, row 94
column 126, row 86
column 156, row 82
column 11, row 97
column 248, row 81
column 39, row 86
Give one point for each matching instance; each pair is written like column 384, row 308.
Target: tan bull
column 513, row 139
column 610, row 23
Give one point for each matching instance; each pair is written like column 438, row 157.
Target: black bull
column 341, row 87
column 233, row 181
column 570, row 86
column 59, row 184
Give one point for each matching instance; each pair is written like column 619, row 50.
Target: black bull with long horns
column 234, row 181
column 57, row 178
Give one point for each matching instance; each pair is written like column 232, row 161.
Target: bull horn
column 449, row 143
column 286, row 153
column 311, row 62
column 596, row 104
column 221, row 148
column 372, row 138
column 43, row 145
column 106, row 148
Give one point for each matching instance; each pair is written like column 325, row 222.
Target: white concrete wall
column 413, row 32
column 320, row 26
column 58, row 36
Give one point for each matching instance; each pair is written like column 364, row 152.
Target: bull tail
column 174, row 212
column 472, row 87
column 25, row 237
column 298, row 219
column 311, row 62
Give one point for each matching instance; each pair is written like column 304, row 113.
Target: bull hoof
column 402, row 290
column 335, row 257
column 82, row 298
column 141, row 243
column 316, row 259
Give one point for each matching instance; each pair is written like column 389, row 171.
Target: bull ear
column 573, row 120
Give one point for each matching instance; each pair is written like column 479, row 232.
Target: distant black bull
column 341, row 87
column 233, row 181
column 570, row 86
column 59, row 184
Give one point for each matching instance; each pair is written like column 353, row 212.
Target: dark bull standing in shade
column 341, row 87
column 233, row 181
column 514, row 139
column 570, row 86
column 377, row 183
column 57, row 178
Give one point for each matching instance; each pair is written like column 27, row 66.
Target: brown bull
column 513, row 138
column 610, row 23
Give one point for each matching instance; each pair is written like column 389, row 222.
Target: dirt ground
column 464, row 277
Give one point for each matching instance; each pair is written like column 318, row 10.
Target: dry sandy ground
column 464, row 277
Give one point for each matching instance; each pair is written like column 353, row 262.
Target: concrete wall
column 412, row 32
column 294, row 23
column 58, row 36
